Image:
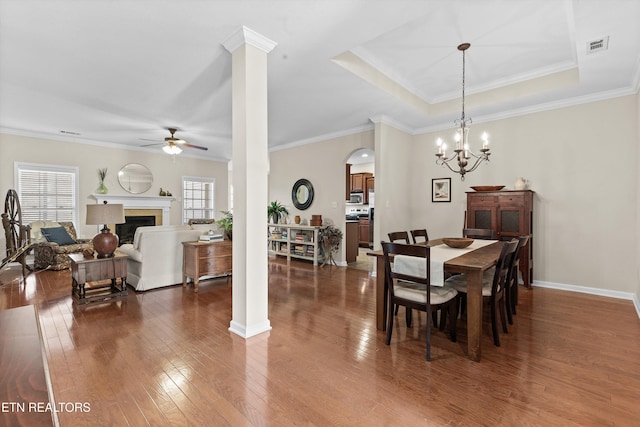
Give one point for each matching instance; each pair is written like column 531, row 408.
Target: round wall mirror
column 302, row 194
column 135, row 178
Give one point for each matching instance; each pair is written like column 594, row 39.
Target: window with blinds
column 47, row 192
column 197, row 198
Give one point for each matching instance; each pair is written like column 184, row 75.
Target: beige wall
column 323, row 164
column 582, row 162
column 89, row 158
column 393, row 192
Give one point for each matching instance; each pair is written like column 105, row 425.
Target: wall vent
column 67, row 132
column 598, row 45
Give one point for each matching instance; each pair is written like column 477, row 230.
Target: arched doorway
column 360, row 203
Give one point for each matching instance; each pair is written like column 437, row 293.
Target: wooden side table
column 205, row 259
column 94, row 269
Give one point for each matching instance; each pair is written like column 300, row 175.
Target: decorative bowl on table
column 487, row 187
column 457, row 242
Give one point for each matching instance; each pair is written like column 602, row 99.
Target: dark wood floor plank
column 166, row 357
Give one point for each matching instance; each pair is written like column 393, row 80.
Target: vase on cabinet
column 521, row 184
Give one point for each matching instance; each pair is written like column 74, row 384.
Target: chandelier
column 462, row 153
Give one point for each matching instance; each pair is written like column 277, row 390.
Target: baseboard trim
column 248, row 332
column 592, row 291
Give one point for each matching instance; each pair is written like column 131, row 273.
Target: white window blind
column 197, row 198
column 47, row 192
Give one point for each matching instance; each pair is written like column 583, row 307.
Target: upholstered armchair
column 52, row 255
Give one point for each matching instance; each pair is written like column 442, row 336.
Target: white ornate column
column 250, row 158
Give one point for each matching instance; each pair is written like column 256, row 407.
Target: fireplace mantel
column 140, row 202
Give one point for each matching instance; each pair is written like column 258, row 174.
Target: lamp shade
column 105, row 214
column 105, row 243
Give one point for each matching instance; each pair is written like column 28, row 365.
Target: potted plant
column 331, row 236
column 227, row 223
column 275, row 211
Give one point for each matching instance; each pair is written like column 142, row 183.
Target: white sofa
column 155, row 257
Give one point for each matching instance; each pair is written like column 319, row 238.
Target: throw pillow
column 57, row 235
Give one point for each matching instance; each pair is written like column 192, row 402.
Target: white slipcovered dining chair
column 415, row 291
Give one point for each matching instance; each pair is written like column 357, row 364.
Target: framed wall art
column 441, row 190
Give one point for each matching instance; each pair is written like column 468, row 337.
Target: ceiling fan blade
column 186, row 144
column 153, row 145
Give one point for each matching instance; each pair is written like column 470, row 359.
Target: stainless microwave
column 356, row 198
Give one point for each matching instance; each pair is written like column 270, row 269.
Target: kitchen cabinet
column 510, row 214
column 369, row 184
column 352, row 240
column 363, row 226
column 358, row 181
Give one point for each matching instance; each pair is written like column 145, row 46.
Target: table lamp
column 105, row 243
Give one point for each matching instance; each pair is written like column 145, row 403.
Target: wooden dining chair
column 493, row 288
column 415, row 292
column 479, row 233
column 399, row 236
column 511, row 291
column 419, row 233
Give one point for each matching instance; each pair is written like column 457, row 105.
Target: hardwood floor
column 166, row 357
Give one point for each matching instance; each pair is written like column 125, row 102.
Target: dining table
column 473, row 262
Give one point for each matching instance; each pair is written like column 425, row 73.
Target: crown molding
column 389, row 121
column 323, row 137
column 84, row 141
column 569, row 102
column 244, row 35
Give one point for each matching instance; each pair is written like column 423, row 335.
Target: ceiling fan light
column 172, row 149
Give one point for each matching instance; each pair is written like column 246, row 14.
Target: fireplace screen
column 127, row 230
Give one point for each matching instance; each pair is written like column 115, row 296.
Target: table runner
column 439, row 255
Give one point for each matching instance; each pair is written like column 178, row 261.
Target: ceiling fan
column 173, row 144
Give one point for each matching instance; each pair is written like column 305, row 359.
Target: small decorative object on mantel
column 102, row 189
column 169, row 194
column 162, row 192
column 297, row 219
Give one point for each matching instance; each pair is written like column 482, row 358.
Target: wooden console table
column 95, row 269
column 205, row 259
column 25, row 387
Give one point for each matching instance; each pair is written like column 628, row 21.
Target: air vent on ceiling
column 597, row 45
column 66, row 132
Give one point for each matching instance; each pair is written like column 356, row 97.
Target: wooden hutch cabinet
column 510, row 214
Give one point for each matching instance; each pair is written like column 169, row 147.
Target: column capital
column 244, row 35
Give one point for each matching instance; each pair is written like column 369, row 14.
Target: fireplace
column 127, row 230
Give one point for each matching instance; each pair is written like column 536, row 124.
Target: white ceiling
column 120, row 72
